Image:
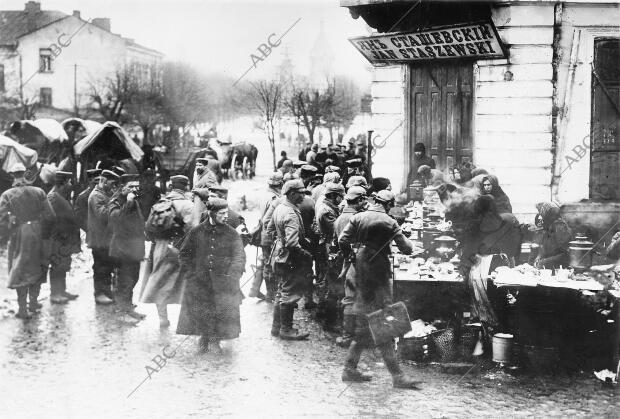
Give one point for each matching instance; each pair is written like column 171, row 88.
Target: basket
column 469, row 338
column 445, row 344
column 414, row 348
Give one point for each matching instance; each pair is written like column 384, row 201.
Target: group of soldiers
column 331, row 240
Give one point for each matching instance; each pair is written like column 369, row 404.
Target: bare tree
column 266, row 98
column 112, row 94
column 306, row 105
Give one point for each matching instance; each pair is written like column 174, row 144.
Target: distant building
column 53, row 58
column 321, row 61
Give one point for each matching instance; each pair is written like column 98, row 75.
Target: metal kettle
column 580, row 252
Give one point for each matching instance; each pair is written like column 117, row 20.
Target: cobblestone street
column 80, row 358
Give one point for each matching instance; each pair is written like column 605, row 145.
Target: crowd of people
column 324, row 235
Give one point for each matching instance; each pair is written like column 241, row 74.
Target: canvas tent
column 109, row 141
column 12, row 152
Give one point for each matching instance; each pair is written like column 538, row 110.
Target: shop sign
column 466, row 41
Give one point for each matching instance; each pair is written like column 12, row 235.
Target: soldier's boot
column 287, row 332
column 331, row 317
column 275, row 325
column 256, row 283
column 350, row 372
column 22, row 302
column 271, row 286
column 348, row 328
column 66, row 294
column 162, row 312
column 33, row 296
column 57, row 287
column 399, row 378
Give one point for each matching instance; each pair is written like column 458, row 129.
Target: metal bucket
column 502, row 347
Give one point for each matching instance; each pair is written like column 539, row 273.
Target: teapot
column 446, row 247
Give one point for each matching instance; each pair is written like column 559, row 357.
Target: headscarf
column 421, row 148
column 501, row 199
column 549, row 211
column 333, row 177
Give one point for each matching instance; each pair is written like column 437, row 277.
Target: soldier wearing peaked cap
column 372, row 231
column 65, row 238
column 289, row 258
column 127, row 236
column 326, row 214
column 98, row 235
column 269, row 201
column 165, row 281
column 26, row 218
column 356, row 202
column 213, row 258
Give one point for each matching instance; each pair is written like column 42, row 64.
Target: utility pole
column 75, row 104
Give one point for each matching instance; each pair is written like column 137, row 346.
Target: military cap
column 216, row 204
column 309, row 168
column 129, row 177
column 332, row 168
column 108, row 174
column 224, row 142
column 119, row 170
column 62, row 176
column 276, row 178
column 331, row 177
column 17, row 167
column 357, row 181
column 202, row 193
column 299, row 163
column 384, row 196
column 202, row 160
column 331, row 187
column 293, row 185
column 360, row 142
column 323, row 147
column 355, row 192
column 179, row 179
column 93, row 173
column 357, row 162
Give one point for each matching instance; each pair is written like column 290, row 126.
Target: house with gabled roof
column 53, row 58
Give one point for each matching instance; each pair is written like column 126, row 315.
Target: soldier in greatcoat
column 165, row 282
column 290, row 260
column 127, row 242
column 326, row 214
column 213, row 260
column 373, row 230
column 65, row 238
column 25, row 218
column 98, row 235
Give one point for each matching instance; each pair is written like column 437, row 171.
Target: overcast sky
column 220, row 35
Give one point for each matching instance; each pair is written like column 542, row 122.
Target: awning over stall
column 110, row 140
column 12, row 152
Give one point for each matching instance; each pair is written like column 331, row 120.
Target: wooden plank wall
column 388, row 119
column 513, row 117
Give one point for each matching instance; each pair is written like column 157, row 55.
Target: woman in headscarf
column 553, row 251
column 502, row 202
column 492, row 240
column 487, row 184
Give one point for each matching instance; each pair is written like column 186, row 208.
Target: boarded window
column 604, row 144
column 45, row 96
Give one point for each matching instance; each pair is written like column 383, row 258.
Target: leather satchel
column 389, row 323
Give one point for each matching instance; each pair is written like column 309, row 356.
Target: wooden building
column 541, row 111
